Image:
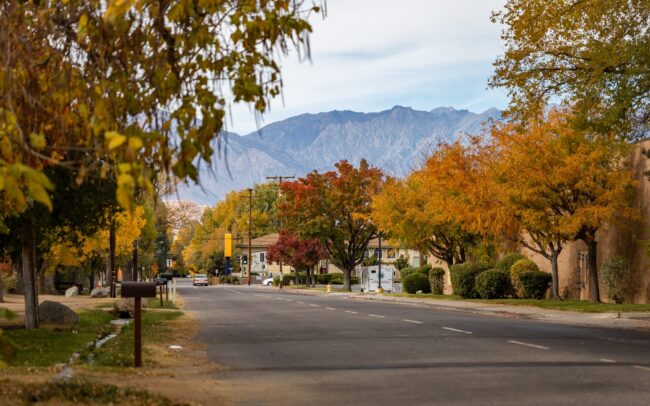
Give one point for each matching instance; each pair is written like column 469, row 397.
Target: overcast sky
column 370, row 55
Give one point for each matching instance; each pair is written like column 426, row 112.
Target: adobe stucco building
column 624, row 240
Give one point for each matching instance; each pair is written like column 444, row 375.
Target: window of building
column 390, row 253
column 261, row 257
column 377, row 253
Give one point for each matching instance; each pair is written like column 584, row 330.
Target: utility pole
column 379, row 288
column 280, row 179
column 250, row 234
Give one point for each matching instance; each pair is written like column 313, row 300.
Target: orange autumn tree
column 334, row 207
column 558, row 184
column 402, row 210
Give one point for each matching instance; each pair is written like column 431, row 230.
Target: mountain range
column 396, row 140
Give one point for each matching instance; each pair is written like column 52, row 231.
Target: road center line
column 232, row 290
column 609, row 361
column 412, row 321
column 643, row 368
column 301, row 302
column 351, row 312
column 330, row 308
column 540, row 347
column 278, row 298
column 313, row 305
column 457, row 330
column 377, row 315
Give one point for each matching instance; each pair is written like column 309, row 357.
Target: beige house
column 260, row 265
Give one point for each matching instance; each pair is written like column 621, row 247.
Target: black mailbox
column 138, row 289
column 166, row 276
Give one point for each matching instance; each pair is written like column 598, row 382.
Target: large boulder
column 100, row 292
column 57, row 314
column 127, row 305
column 73, row 291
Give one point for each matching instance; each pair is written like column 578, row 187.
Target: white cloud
column 369, row 55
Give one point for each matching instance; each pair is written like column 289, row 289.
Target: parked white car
column 267, row 282
column 200, row 279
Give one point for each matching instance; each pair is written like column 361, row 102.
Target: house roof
column 260, row 242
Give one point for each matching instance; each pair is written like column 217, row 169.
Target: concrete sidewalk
column 626, row 320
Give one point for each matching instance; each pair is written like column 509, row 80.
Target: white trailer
column 370, row 278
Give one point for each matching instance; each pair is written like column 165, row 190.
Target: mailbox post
column 138, row 290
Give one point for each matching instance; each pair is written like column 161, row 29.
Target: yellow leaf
column 117, row 8
column 135, row 143
column 125, row 191
column 39, row 194
column 37, row 141
column 82, row 29
column 114, row 139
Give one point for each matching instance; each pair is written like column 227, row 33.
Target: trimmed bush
column 338, row 278
column 616, row 276
column 535, row 284
column 437, row 280
column 505, row 263
column 229, row 279
column 323, row 279
column 416, row 281
column 463, row 278
column 519, row 267
column 424, row 270
column 492, row 284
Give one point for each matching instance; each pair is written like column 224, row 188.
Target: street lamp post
column 250, row 234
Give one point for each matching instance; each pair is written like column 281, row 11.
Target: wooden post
column 161, row 300
column 137, row 332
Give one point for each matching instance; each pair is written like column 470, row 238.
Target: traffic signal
column 244, row 259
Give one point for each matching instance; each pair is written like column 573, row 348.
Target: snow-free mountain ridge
column 397, row 140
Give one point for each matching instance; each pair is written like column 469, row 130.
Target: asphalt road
column 282, row 348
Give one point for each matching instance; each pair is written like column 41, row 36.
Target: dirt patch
column 16, row 303
column 176, row 376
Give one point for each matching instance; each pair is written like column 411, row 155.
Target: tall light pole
column 379, row 288
column 250, row 234
column 280, row 179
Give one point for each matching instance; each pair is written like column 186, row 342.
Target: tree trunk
column 134, row 270
column 555, row 284
column 346, row 280
column 592, row 268
column 2, row 290
column 29, row 274
column 110, row 263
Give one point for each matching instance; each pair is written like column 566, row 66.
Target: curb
column 641, row 321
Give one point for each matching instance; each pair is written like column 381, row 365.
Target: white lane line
column 232, row 290
column 313, row 305
column 259, row 295
column 377, row 315
column 457, row 330
column 609, row 361
column 539, row 347
column 278, row 298
column 643, row 368
column 330, row 308
column 301, row 302
column 288, row 300
column 412, row 321
column 351, row 312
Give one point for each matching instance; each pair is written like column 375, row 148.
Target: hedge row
column 513, row 274
column 229, row 279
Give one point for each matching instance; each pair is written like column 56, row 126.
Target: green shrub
column 424, row 270
column 288, row 278
column 228, row 279
column 492, row 284
column 323, row 279
column 401, row 262
column 463, row 278
column 437, row 280
column 535, row 284
column 523, row 265
column 416, row 281
column 505, row 263
column 336, row 279
column 616, row 276
column 370, row 261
